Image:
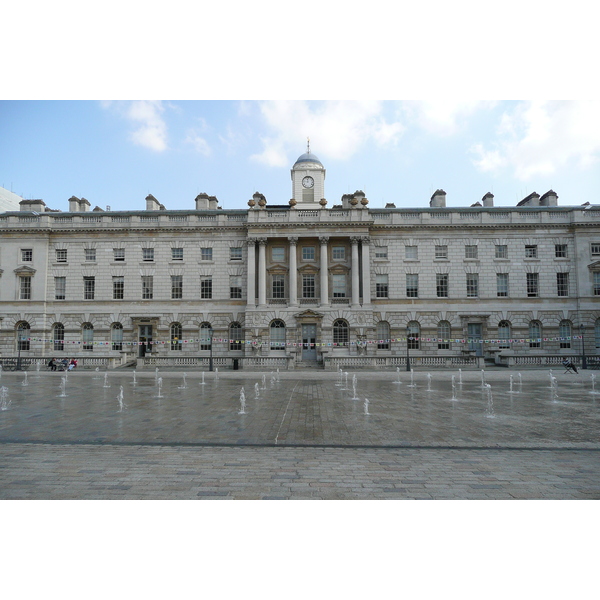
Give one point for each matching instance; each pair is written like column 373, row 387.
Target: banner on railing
column 362, row 343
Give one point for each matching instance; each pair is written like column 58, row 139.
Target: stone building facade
column 302, row 283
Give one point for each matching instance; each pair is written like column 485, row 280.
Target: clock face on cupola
column 308, row 180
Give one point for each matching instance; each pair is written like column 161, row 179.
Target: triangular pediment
column 595, row 266
column 277, row 270
column 308, row 269
column 25, row 270
column 338, row 269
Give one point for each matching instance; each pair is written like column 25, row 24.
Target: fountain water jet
column 24, row 382
column 134, row 380
column 4, row 401
column 256, row 391
column 202, row 382
column 398, row 375
column 483, row 383
column 412, row 379
column 63, row 387
column 183, row 386
column 366, row 405
column 122, row 405
column 106, row 384
column 490, row 405
column 159, row 384
column 428, row 382
column 460, row 377
column 593, row 380
column 354, row 396
column 242, row 402
column 217, row 374
column 453, row 389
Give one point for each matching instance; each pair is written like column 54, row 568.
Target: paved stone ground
column 43, row 471
column 303, row 438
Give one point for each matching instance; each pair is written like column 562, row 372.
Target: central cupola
column 308, row 181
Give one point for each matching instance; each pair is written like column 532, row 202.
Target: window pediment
column 308, row 270
column 277, row 270
column 595, row 266
column 339, row 269
column 25, row 270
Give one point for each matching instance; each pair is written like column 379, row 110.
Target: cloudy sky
column 116, row 152
column 175, row 103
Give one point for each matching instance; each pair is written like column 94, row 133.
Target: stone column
column 293, row 275
column 366, row 271
column 251, row 295
column 324, row 271
column 262, row 271
column 355, row 272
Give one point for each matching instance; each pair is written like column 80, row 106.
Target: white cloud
column 195, row 138
column 442, row 116
column 151, row 129
column 152, row 132
column 336, row 129
column 542, row 137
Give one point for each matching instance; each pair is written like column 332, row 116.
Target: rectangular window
column 381, row 252
column 472, row 285
column 118, row 288
column 90, row 254
column 176, row 287
column 339, row 285
column 339, row 253
column 278, row 286
column 278, row 254
column 235, row 253
column 308, row 253
column 531, row 251
column 89, row 288
column 206, row 288
column 411, row 252
column 595, row 249
column 597, row 283
column 25, row 288
column 501, row 251
column 441, row 285
column 148, row 254
column 562, row 284
column 147, row 287
column 235, row 286
column 60, row 288
column 27, row 255
column 412, row 285
column 560, row 250
column 206, row 253
column 441, row 251
column 471, row 251
column 308, row 286
column 381, row 286
column 119, row 254
column 532, row 285
column 61, row 255
column 176, row 253
column 502, row 285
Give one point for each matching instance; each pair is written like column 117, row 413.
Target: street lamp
column 407, row 348
column 583, row 359
column 210, row 360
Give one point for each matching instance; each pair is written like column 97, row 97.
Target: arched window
column 205, row 336
column 116, row 334
column 277, row 335
column 564, row 333
column 340, row 332
column 413, row 333
column 383, row 335
column 235, row 336
column 88, row 336
column 503, row 334
column 535, row 334
column 176, row 333
column 443, row 334
column 58, row 337
column 597, row 335
column 23, row 333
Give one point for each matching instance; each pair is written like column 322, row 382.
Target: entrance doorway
column 309, row 339
column 474, row 334
column 145, row 339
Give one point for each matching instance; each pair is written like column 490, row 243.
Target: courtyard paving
column 300, row 435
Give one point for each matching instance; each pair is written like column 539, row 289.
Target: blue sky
column 116, row 152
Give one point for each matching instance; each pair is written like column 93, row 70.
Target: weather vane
column 308, row 145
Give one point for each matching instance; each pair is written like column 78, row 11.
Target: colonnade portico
column 360, row 270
